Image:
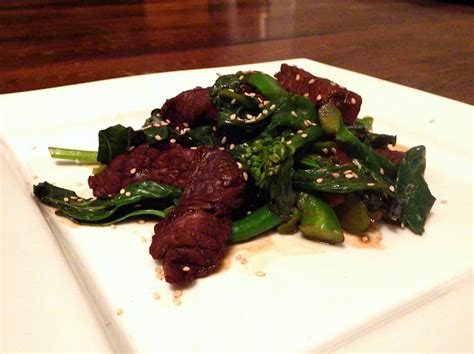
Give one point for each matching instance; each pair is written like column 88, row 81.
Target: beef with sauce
column 189, row 108
column 191, row 239
column 320, row 91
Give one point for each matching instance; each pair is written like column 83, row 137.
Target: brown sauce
column 263, row 250
column 370, row 239
column 399, row 147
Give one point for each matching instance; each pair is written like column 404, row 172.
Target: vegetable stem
column 84, row 156
column 261, row 220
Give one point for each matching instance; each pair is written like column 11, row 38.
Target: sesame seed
column 186, row 269
column 307, row 122
column 223, row 140
column 299, row 131
column 239, row 165
column 392, row 188
column 233, row 116
column 214, row 128
column 246, row 176
column 249, row 212
column 333, row 83
column 185, row 125
column 172, row 141
column 234, row 101
column 335, row 175
column 266, row 102
column 318, row 97
column 319, row 180
column 260, row 273
column 272, row 107
column 122, row 191
column 265, row 111
column 238, row 257
column 66, row 199
column 113, row 226
column 353, row 100
column 288, row 142
column 177, row 294
column 128, row 194
column 306, row 95
column 297, row 77
column 365, row 239
column 80, row 199
column 133, row 170
column 156, row 296
column 251, row 94
column 382, row 171
column 294, row 114
column 370, row 184
column 141, row 221
column 249, row 116
column 243, row 260
column 333, row 150
column 232, row 146
column 241, row 77
column 119, row 312
column 261, row 106
column 304, row 135
column 221, row 148
column 193, row 147
column 347, row 172
column 349, row 175
column 177, row 302
column 164, row 123
column 355, row 175
column 310, row 82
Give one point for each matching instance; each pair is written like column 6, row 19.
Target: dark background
column 424, row 44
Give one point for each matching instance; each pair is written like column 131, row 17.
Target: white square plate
column 313, row 296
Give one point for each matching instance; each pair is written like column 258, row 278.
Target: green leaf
column 266, row 85
column 113, row 141
column 332, row 179
column 138, row 196
column 413, row 193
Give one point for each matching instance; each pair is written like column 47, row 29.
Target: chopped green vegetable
column 290, row 226
column 353, row 214
column 330, row 118
column 82, row 156
column 318, row 220
column 256, row 223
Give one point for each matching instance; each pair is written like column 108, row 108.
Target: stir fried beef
column 320, row 91
column 194, row 234
column 191, row 239
column 393, row 156
column 170, row 166
column 189, row 108
column 190, row 243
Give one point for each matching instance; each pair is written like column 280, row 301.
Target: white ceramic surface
column 313, row 296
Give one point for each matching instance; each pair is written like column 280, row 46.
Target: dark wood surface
column 428, row 45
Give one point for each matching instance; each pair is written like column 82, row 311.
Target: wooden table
column 428, row 45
